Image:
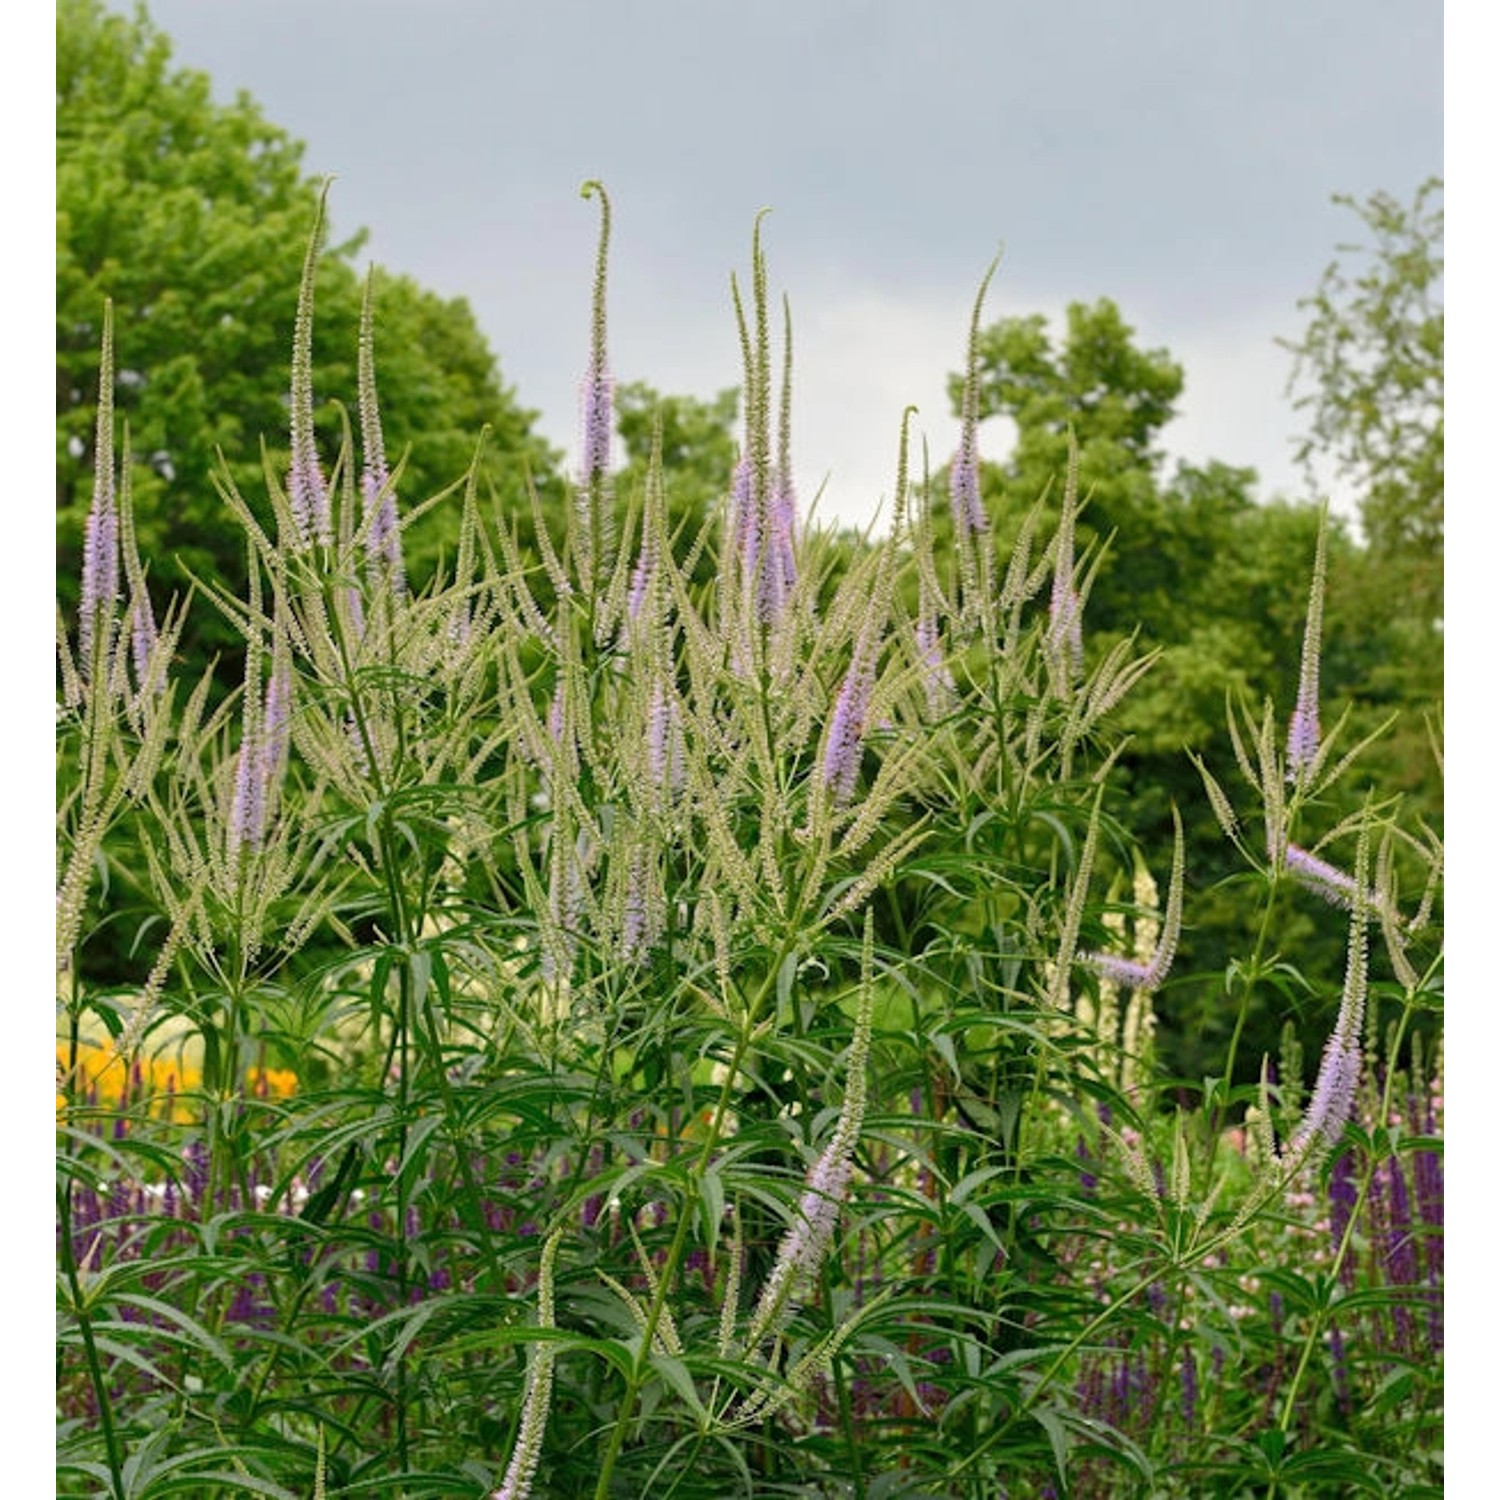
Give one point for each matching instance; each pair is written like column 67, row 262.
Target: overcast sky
column 1177, row 156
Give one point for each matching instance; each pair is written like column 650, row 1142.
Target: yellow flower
column 271, row 1083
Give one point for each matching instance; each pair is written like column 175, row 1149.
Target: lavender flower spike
column 1332, row 1101
column 598, row 419
column 1065, row 610
column 806, row 1243
column 969, row 517
column 521, row 1470
column 307, row 494
column 383, row 533
column 847, row 726
column 1303, row 732
column 101, row 545
column 1328, row 881
column 1150, row 974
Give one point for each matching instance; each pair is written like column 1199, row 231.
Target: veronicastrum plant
column 656, row 1013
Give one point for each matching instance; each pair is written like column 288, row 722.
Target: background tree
column 193, row 217
column 1368, row 373
column 698, row 449
column 1199, row 570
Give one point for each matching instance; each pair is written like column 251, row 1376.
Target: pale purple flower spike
column 101, row 562
column 1303, row 734
column 598, row 419
column 1324, row 879
column 963, row 485
column 847, row 727
column 1332, row 1102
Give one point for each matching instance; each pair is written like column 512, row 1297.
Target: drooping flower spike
column 1150, row 974
column 1332, row 1101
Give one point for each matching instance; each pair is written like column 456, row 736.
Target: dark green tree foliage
column 193, row 218
column 1369, row 376
column 1369, row 369
column 698, row 449
column 1217, row 583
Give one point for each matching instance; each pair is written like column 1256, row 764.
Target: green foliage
column 1372, row 355
column 192, row 218
column 698, row 450
column 617, row 1027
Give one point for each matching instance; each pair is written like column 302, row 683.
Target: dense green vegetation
column 634, row 995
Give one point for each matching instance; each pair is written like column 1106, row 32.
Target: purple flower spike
column 778, row 574
column 1332, row 1101
column 598, row 419
column 846, row 728
column 307, row 493
column 1303, row 735
column 101, row 535
column 101, row 563
column 383, row 538
column 963, row 485
column 1325, row 880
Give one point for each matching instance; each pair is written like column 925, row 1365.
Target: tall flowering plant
column 656, row 1029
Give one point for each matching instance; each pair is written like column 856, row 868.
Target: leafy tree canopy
column 1369, row 369
column 193, row 217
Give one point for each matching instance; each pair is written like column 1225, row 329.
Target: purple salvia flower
column 1343, row 1194
column 1400, row 1251
column 1189, row 1389
column 1303, row 732
column 1340, row 1360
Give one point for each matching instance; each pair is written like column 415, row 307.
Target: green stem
column 90, row 1350
column 1322, row 1316
column 668, row 1273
